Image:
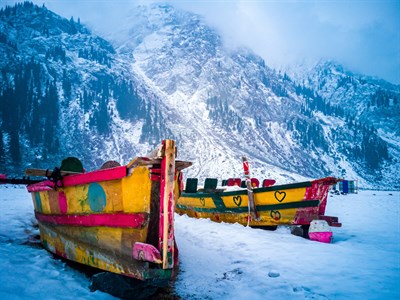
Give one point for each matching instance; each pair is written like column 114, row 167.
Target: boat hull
column 113, row 219
column 291, row 204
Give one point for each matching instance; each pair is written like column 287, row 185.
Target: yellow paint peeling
column 113, row 192
column 44, row 198
column 136, row 191
column 205, row 202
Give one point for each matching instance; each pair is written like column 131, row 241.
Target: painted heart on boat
column 280, row 196
column 237, row 200
column 276, row 215
column 203, row 201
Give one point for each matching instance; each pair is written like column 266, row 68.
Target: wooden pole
column 252, row 206
column 167, row 204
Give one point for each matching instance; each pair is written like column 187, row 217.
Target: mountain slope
column 64, row 92
column 368, row 102
column 232, row 104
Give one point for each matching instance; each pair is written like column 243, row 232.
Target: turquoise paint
column 97, row 197
column 38, row 202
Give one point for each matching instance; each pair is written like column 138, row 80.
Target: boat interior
column 211, row 184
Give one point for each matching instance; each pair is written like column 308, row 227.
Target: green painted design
column 38, row 202
column 170, row 258
column 83, row 201
column 90, row 260
column 45, row 245
column 203, row 201
column 218, row 202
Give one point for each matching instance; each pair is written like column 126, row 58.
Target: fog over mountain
column 364, row 36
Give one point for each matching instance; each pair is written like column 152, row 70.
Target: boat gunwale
column 244, row 190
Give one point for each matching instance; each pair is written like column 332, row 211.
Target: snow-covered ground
column 229, row 261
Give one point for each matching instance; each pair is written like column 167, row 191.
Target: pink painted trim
column 137, row 220
column 318, row 190
column 62, row 202
column 46, row 185
column 80, row 179
column 305, row 215
column 146, row 252
column 95, row 176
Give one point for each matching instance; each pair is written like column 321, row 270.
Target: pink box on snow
column 320, row 231
column 323, row 237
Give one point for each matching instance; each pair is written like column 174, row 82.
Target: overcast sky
column 363, row 35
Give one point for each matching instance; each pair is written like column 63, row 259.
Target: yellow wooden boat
column 117, row 219
column 289, row 204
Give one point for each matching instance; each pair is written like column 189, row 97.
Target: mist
column 363, row 36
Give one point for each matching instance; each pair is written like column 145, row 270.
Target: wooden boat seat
column 234, row 181
column 268, row 182
column 110, row 164
column 72, row 164
column 191, row 185
column 210, row 185
column 255, row 183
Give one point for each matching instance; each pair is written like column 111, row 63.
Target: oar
column 47, row 173
column 252, row 206
column 18, row 180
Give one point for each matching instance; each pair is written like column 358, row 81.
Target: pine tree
column 2, row 149
column 15, row 150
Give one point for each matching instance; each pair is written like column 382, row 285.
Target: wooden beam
column 143, row 161
column 158, row 152
column 46, row 173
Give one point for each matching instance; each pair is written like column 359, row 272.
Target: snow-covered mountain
column 65, row 91
column 167, row 74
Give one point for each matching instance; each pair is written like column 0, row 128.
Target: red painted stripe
column 95, row 176
column 137, row 220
